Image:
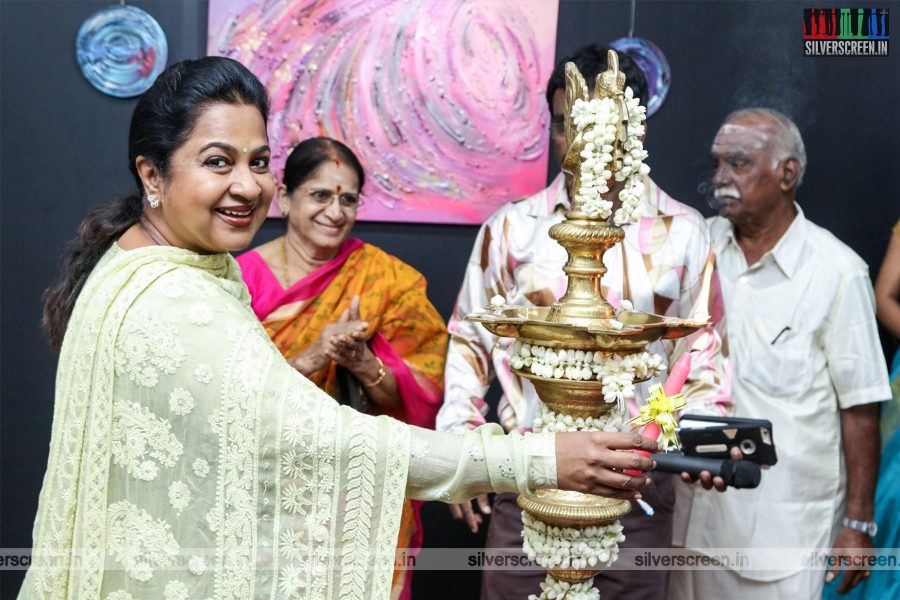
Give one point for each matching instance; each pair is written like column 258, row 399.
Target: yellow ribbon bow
column 660, row 409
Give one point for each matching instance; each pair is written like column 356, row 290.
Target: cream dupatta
column 188, row 460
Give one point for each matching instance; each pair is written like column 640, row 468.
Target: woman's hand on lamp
column 593, row 463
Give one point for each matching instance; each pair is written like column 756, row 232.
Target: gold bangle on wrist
column 381, row 374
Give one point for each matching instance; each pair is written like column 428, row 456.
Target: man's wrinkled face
column 746, row 179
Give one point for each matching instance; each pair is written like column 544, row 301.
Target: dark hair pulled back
column 309, row 155
column 163, row 120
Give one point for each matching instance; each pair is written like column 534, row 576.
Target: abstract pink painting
column 443, row 100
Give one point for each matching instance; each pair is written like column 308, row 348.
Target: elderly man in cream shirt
column 806, row 355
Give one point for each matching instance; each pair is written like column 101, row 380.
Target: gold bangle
column 381, row 374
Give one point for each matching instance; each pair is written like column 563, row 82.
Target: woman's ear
column 150, row 176
column 284, row 200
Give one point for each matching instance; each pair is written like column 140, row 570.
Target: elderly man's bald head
column 783, row 135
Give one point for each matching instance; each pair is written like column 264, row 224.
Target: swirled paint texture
column 443, row 100
column 121, row 50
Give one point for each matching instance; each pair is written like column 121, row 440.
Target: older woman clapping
column 349, row 316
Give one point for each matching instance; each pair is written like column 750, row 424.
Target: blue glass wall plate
column 653, row 63
column 121, row 50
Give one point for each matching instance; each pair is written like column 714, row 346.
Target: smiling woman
column 188, row 459
column 213, row 197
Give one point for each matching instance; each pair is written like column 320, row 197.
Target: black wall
column 64, row 149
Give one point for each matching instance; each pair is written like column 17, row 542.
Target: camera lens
column 748, row 446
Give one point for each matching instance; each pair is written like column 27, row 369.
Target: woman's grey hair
column 787, row 135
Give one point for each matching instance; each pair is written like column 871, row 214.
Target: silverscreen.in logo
column 846, row 31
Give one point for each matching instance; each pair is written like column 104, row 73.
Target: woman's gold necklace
column 285, row 270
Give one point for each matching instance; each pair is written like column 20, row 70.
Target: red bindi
column 339, row 190
column 337, row 162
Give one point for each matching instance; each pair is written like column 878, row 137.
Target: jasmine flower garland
column 617, row 372
column 569, row 547
column 596, row 121
column 549, row 421
column 553, row 589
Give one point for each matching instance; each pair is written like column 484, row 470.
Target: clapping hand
column 347, row 344
column 343, row 341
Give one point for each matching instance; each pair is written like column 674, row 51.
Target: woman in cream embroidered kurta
column 229, row 475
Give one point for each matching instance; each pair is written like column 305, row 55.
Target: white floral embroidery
column 181, row 402
column 203, row 374
column 176, row 590
column 418, row 448
column 119, row 595
column 290, row 582
column 295, row 427
column 146, row 347
column 138, row 541
column 213, row 519
column 293, row 499
column 476, row 454
column 294, row 463
column 200, row 314
column 304, row 549
column 139, row 436
column 179, row 496
column 204, row 288
column 292, row 544
column 296, row 399
column 197, row 565
column 506, row 469
column 200, row 467
column 543, row 472
column 359, row 490
column 217, row 422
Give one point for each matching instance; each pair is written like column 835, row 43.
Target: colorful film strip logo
column 846, row 31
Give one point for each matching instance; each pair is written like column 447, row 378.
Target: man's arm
column 708, row 387
column 859, row 375
column 469, row 371
column 861, row 445
column 862, row 448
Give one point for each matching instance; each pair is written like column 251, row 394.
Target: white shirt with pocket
column 804, row 344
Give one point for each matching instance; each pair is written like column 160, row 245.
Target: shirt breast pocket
column 776, row 358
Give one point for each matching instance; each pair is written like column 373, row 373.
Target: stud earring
column 153, row 201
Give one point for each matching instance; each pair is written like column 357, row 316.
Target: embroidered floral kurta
column 189, row 460
column 659, row 267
